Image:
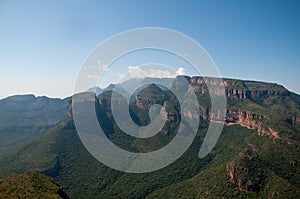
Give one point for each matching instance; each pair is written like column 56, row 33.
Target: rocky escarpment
column 248, row 94
column 168, row 113
column 237, row 88
column 233, row 117
column 247, row 119
column 255, row 92
column 294, row 119
column 146, row 103
column 247, row 172
column 149, row 95
column 69, row 112
column 251, row 121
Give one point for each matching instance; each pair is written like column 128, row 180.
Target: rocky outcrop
column 251, row 121
column 245, row 119
column 207, row 114
column 69, row 112
column 233, row 93
column 235, row 172
column 237, row 88
column 191, row 115
column 234, row 89
column 233, row 117
column 171, row 117
column 105, row 104
column 247, row 172
column 238, row 175
column 168, row 113
column 248, row 94
column 254, row 121
column 146, row 103
column 293, row 120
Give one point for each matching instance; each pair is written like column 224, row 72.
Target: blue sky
column 43, row 43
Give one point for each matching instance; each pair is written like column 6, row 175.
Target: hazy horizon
column 103, row 87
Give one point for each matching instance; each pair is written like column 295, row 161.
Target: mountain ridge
column 99, row 90
column 243, row 164
column 23, row 117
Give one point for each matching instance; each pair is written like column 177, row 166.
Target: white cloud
column 103, row 67
column 90, row 67
column 138, row 72
column 185, row 55
column 180, row 71
column 92, row 76
column 98, row 66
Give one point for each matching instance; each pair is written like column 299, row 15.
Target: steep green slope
column 61, row 155
column 296, row 97
column 31, row 185
column 239, row 170
column 83, row 176
column 188, row 177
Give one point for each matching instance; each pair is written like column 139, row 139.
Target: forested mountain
column 23, row 117
column 256, row 156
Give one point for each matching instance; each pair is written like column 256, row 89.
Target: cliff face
column 251, row 121
column 238, row 117
column 237, row 88
column 247, row 172
column 146, row 103
column 294, row 120
column 256, row 93
column 248, row 94
column 169, row 115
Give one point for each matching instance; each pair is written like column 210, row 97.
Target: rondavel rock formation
column 234, row 89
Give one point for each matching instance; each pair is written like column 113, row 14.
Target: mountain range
column 256, row 156
column 24, row 117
